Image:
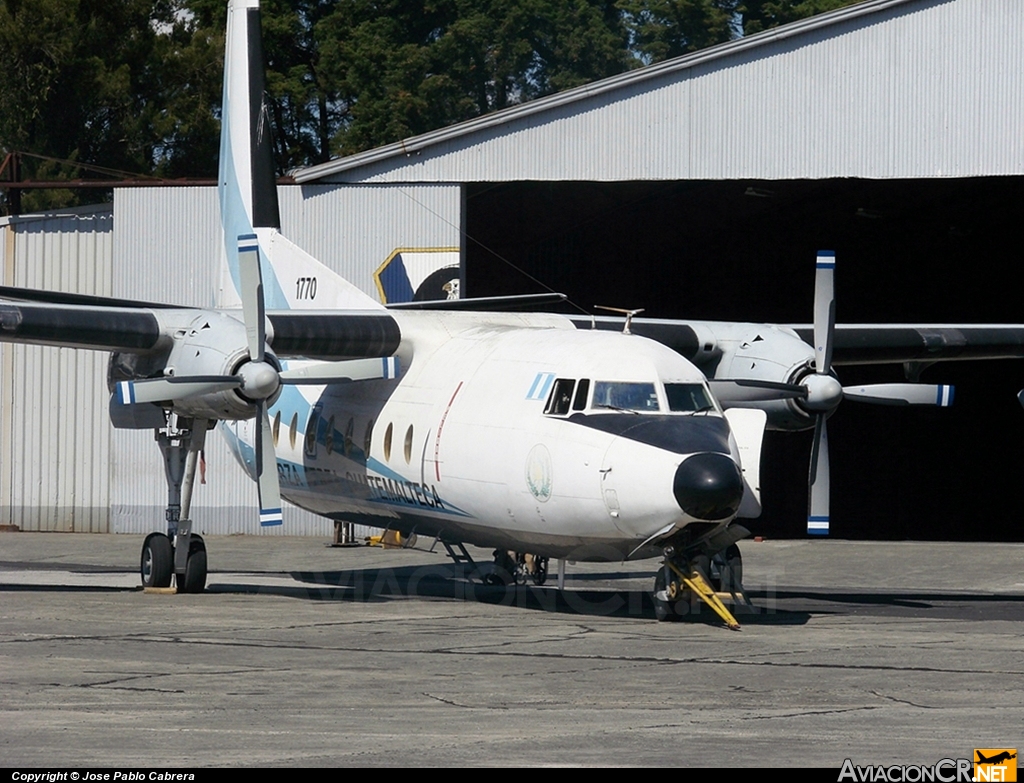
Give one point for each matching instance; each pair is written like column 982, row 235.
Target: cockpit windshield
column 621, row 396
column 692, row 397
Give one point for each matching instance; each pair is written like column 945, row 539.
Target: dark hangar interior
column 923, row 251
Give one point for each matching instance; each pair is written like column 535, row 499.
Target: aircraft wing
column 80, row 326
column 105, row 324
column 897, row 343
column 852, row 343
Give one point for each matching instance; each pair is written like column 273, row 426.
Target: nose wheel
column 681, row 579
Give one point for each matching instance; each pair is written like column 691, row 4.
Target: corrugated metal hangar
column 700, row 187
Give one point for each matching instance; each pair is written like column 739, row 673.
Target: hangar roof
column 881, row 89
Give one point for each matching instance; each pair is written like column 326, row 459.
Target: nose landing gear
column 685, row 577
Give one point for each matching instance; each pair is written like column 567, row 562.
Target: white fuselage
column 470, row 443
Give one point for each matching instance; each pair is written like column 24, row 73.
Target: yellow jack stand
column 696, row 582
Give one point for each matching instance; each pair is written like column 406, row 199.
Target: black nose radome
column 708, row 486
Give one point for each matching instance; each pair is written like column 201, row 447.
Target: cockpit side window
column 580, row 403
column 561, row 397
column 689, row 397
column 621, row 396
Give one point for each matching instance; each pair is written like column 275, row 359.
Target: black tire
column 733, row 569
column 540, row 574
column 664, row 608
column 503, row 573
column 157, row 563
column 194, row 579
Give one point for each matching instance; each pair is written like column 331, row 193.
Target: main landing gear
column 516, row 568
column 180, row 553
column 688, row 576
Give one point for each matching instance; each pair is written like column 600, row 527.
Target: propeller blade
column 350, row 370
column 253, row 312
column 266, row 470
column 173, row 388
column 818, row 483
column 902, row 394
column 824, row 310
column 738, row 390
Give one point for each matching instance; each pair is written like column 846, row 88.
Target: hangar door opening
column 938, row 251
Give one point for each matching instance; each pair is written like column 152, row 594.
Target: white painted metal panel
column 887, row 88
column 54, row 445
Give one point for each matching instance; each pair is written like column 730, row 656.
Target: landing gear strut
column 532, row 568
column 179, row 552
column 683, row 577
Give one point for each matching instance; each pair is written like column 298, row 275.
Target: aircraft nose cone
column 708, row 486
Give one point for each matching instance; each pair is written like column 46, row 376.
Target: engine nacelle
column 770, row 353
column 211, row 344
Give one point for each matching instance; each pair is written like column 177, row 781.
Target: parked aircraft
column 613, row 438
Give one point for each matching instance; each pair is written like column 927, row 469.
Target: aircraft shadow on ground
column 446, row 582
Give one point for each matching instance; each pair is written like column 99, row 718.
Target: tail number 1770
column 305, row 288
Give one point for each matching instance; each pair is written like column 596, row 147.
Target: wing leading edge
column 106, row 324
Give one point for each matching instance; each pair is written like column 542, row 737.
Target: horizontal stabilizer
column 484, row 303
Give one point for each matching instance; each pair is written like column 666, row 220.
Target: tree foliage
column 134, row 85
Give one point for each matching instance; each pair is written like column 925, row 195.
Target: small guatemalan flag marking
column 826, row 259
column 539, row 387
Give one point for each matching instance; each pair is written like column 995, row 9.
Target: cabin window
column 349, row 429
column 690, row 397
column 620, row 396
column 387, row 442
column 292, row 429
column 408, row 445
column 368, row 439
column 329, row 437
column 311, row 431
column 580, row 403
column 277, row 427
column 561, row 397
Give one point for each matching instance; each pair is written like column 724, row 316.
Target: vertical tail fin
column 247, row 186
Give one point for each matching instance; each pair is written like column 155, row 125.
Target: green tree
column 135, row 85
column 406, row 68
column 660, row 29
column 761, row 15
column 76, row 84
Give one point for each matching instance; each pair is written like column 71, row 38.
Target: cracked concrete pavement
column 300, row 654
